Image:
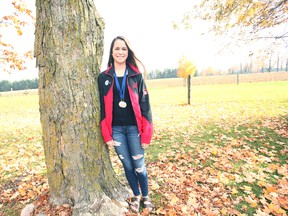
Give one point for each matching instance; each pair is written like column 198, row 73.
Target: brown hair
column 131, row 59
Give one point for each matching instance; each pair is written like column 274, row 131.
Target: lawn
column 224, row 154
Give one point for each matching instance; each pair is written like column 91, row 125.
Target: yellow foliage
column 186, row 67
column 251, row 12
column 19, row 32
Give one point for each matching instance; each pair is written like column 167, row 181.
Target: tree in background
column 209, row 71
column 162, row 74
column 249, row 17
column 69, row 41
column 185, row 70
column 10, row 59
column 5, row 85
column 238, row 23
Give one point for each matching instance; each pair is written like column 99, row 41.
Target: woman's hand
column 110, row 144
column 145, row 145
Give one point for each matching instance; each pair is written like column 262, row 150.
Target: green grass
column 234, row 134
column 252, row 115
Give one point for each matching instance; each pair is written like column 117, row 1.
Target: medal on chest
column 122, row 104
column 121, row 89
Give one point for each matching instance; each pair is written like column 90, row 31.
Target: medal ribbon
column 123, row 84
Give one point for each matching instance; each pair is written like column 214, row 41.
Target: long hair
column 131, row 59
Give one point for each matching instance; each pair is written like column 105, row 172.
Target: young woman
column 126, row 119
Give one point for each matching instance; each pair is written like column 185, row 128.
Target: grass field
column 224, row 154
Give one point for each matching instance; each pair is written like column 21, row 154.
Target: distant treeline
column 160, row 74
column 6, row 85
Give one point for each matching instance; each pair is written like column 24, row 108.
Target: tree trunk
column 270, row 64
column 68, row 49
column 278, row 62
column 189, row 88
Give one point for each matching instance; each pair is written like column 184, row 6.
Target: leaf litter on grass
column 223, row 167
column 205, row 159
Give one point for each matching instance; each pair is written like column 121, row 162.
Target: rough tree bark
column 68, row 49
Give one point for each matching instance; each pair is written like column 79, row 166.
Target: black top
column 122, row 116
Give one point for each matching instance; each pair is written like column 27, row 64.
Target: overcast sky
column 148, row 25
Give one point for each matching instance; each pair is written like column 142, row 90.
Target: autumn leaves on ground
column 225, row 154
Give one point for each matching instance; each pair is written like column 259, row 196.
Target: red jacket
column 139, row 99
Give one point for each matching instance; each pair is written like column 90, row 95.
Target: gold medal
column 122, row 104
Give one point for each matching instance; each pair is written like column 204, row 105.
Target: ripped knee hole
column 137, row 157
column 139, row 170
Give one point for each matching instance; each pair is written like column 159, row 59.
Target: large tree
column 68, row 49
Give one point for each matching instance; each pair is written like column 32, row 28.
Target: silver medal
column 122, row 104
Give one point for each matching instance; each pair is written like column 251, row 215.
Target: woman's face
column 119, row 51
